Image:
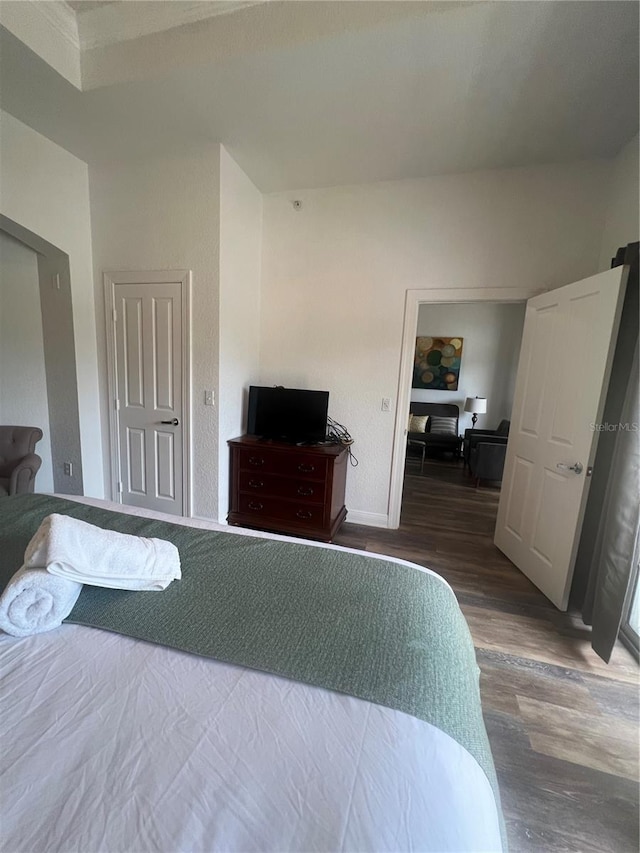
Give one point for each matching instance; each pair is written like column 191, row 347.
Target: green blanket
column 371, row 628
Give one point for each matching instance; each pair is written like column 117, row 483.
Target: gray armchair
column 18, row 462
column 485, row 451
column 473, row 436
column 487, row 460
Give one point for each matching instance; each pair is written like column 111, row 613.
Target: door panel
column 135, row 460
column 132, row 346
column 567, row 346
column 163, row 352
column 165, row 454
column 149, row 389
column 521, row 485
column 541, row 346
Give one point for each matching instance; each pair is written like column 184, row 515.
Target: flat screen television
column 290, row 414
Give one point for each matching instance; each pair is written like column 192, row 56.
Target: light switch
column 209, row 398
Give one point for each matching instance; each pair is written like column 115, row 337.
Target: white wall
column 492, row 334
column 335, row 274
column 163, row 214
column 46, row 189
column 240, row 247
column 621, row 224
column 23, row 382
column 49, row 29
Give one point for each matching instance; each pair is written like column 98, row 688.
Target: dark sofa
column 431, row 441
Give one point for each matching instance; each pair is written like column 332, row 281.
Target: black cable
column 339, row 434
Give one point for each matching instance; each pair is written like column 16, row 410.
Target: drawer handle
column 303, row 513
column 255, row 505
column 306, row 467
column 256, row 460
column 305, row 490
column 256, row 484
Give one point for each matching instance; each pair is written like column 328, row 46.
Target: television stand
column 287, row 488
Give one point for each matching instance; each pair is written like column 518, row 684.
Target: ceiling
column 80, row 6
column 321, row 94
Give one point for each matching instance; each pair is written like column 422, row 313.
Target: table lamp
column 477, row 405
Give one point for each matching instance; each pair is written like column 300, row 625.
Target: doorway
column 23, row 383
column 57, row 342
column 414, row 300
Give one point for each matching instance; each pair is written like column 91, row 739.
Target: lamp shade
column 477, row 405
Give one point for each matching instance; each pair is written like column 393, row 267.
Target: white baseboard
column 371, row 519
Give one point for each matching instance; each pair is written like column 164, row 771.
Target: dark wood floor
column 563, row 725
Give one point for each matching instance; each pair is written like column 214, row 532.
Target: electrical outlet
column 67, row 467
column 386, row 404
column 208, row 398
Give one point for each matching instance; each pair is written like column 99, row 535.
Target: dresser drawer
column 294, row 464
column 260, row 508
column 262, row 483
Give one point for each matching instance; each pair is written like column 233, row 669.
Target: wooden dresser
column 287, row 488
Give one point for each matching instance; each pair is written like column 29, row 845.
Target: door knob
column 172, row 422
column 562, row 466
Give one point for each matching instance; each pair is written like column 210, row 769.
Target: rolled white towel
column 35, row 601
column 82, row 552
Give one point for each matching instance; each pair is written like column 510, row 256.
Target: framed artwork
column 437, row 363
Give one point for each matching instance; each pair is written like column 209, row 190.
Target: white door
column 567, row 347
column 149, row 403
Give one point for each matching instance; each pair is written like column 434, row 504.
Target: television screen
column 290, row 414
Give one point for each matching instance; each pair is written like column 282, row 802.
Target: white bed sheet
column 112, row 744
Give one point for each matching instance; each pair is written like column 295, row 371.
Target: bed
column 115, row 743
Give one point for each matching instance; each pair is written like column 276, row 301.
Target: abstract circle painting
column 437, row 363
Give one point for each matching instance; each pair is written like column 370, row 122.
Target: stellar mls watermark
column 621, row 426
